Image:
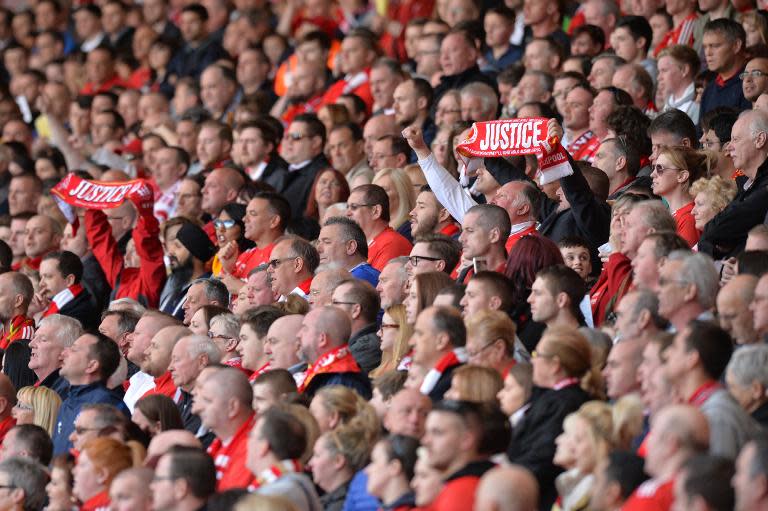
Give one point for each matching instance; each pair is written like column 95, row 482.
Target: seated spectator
column 391, row 484
column 747, row 383
column 100, row 460
column 28, row 480
column 37, row 405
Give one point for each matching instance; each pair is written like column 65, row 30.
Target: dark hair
column 456, row 292
column 559, row 278
column 69, row 264
column 363, row 293
column 350, row 231
column 36, row 441
column 398, row 144
column 528, row 256
column 445, row 247
column 265, row 127
column 448, row 320
column 721, row 121
column 162, row 409
column 261, row 318
column 675, row 122
column 318, row 37
column 753, row 262
column 620, row 97
column 491, row 426
column 594, row 32
column 16, row 364
column 284, row 432
column 375, row 195
column 428, row 285
column 278, row 205
column 627, row 470
column 6, row 256
column 194, row 466
column 355, row 130
column 315, row 128
column 638, row 27
column 709, row 477
column 403, row 449
column 498, row 285
column 423, row 90
column 106, row 353
column 632, row 124
column 126, row 319
column 55, row 156
column 197, row 9
column 713, row 345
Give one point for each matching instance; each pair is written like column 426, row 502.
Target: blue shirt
column 366, row 272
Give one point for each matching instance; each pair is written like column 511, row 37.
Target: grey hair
column 656, row 215
column 67, row 329
column 758, row 122
column 546, row 80
column 128, row 304
column 698, row 269
column 30, row 476
column 483, row 91
column 215, row 290
column 648, row 300
column 199, row 344
column 403, row 262
column 750, row 363
column 230, row 323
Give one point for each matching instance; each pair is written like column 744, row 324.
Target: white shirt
column 140, row 384
column 446, row 188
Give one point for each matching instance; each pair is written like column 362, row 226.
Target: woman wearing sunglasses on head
column 676, row 168
column 230, row 227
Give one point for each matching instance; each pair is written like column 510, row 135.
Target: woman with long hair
column 335, row 405
column 156, row 413
column 515, row 395
column 675, row 169
column 530, row 254
column 401, row 195
column 562, row 367
column 37, row 405
column 422, row 292
column 394, row 333
column 230, row 228
column 329, row 187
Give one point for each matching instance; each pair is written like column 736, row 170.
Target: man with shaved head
column 323, row 338
column 221, row 188
column 677, row 433
column 282, row 346
column 407, row 413
column 138, row 343
column 733, row 312
column 42, row 235
column 157, row 358
column 511, row 488
column 225, row 399
column 190, row 355
column 129, row 490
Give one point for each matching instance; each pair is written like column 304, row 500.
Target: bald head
column 232, row 384
column 511, row 488
column 157, row 357
column 733, row 311
column 378, row 126
column 333, row 322
column 740, row 287
column 686, row 423
column 162, row 442
column 286, row 326
column 407, row 413
column 231, row 178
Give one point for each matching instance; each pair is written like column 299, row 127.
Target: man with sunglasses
column 292, row 267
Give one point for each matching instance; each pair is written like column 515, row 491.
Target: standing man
column 724, row 44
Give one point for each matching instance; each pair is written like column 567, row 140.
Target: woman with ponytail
column 675, row 170
column 562, row 368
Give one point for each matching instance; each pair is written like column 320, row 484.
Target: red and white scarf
column 62, row 298
column 339, row 360
column 258, row 372
column 277, row 471
column 453, row 358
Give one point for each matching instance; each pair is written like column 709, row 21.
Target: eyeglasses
column 354, row 207
column 414, row 259
column 338, row 302
column 294, row 136
column 384, row 326
column 226, row 224
column 7, row 487
column 81, row 430
column 22, row 406
column 274, row 263
column 472, row 354
column 536, row 354
column 211, row 335
column 660, row 169
column 164, row 478
column 755, row 73
column 665, row 282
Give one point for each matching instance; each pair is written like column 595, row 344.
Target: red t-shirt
column 230, row 459
column 5, row 427
column 386, row 246
column 250, row 259
column 686, row 224
column 163, row 385
column 651, row 496
column 98, row 502
column 513, row 238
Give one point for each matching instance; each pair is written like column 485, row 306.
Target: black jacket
column 726, row 234
column 358, row 382
column 298, row 184
column 82, row 308
column 365, row 346
column 189, row 61
column 57, row 383
column 533, row 440
column 95, row 282
column 275, row 173
column 443, row 384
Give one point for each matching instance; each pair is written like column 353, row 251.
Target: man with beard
column 429, row 216
column 188, row 250
column 16, row 293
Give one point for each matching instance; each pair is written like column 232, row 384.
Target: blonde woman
column 37, row 405
column 710, row 197
column 335, row 405
column 675, row 169
column 476, row 384
column 401, row 195
column 394, row 334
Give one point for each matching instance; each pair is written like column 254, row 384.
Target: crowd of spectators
column 321, row 305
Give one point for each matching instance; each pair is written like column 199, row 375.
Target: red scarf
column 99, row 502
column 63, row 298
column 566, row 382
column 339, row 360
column 275, row 472
column 703, row 393
column 258, row 372
column 21, row 327
column 450, row 230
column 575, row 147
column 453, row 358
column 587, row 151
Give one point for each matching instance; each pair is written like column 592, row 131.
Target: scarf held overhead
column 515, row 137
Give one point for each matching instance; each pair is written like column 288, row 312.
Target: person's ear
column 442, row 341
column 376, row 211
column 351, row 247
column 621, row 162
column 494, row 235
column 356, row 311
column 440, row 265
column 760, row 140
column 70, row 279
column 494, row 303
column 562, row 300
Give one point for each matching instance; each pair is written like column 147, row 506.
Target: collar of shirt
column 256, row 171
column 298, row 166
column 688, row 95
column 91, row 43
column 520, row 227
